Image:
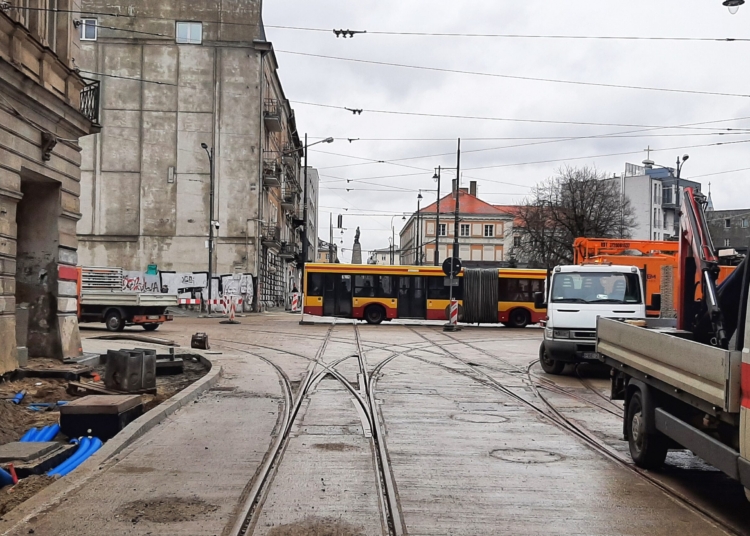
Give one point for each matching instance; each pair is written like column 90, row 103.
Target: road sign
column 452, row 267
column 451, row 282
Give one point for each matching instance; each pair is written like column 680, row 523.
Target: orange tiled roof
column 468, row 204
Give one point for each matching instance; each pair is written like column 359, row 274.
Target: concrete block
column 101, row 404
column 67, row 256
column 23, row 356
column 25, row 451
column 67, row 305
column 8, row 352
column 70, row 336
column 7, row 305
column 99, row 421
column 67, row 288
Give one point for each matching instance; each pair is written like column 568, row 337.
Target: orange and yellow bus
column 381, row 293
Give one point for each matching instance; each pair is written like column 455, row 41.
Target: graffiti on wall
column 140, row 282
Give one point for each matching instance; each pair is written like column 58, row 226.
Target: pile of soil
column 313, row 526
column 12, row 496
column 164, row 510
column 15, row 420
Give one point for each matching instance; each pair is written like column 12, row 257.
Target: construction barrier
column 295, row 302
column 454, row 312
column 190, row 302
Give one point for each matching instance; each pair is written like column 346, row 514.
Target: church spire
column 710, row 206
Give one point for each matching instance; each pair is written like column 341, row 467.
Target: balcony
column 272, row 115
column 90, row 101
column 292, row 154
column 271, row 237
column 289, row 251
column 289, row 197
column 271, row 173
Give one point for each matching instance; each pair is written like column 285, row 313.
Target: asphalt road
column 398, row 429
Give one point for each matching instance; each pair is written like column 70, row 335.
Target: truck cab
column 577, row 296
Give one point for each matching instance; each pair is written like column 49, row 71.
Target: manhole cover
column 479, row 417
column 526, row 456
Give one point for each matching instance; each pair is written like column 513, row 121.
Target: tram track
column 553, row 415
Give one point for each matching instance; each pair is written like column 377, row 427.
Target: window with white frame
column 517, row 241
column 489, row 230
column 189, row 33
column 744, row 223
column 443, row 230
column 726, row 243
column 88, row 30
column 465, row 229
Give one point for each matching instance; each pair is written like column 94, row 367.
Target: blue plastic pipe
column 94, row 445
column 48, row 433
column 33, row 436
column 19, row 396
column 26, row 437
column 78, row 454
column 5, row 478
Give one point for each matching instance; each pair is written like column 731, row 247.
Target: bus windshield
column 596, row 287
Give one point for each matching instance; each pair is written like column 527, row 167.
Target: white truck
column 688, row 386
column 101, row 299
column 577, row 295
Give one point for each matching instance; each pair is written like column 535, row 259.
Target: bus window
column 520, row 290
column 386, row 287
column 315, row 285
column 364, row 286
column 436, row 289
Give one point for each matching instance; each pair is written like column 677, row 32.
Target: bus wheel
column 518, row 318
column 114, row 321
column 374, row 314
column 549, row 365
column 647, row 450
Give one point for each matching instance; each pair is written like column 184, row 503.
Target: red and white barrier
column 190, row 302
column 295, row 302
column 454, row 312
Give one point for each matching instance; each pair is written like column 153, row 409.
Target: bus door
column 412, row 298
column 337, row 295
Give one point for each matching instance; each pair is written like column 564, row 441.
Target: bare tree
column 577, row 202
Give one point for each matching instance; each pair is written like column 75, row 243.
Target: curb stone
column 55, row 493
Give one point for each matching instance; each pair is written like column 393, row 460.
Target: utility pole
column 304, row 217
column 210, row 153
column 330, row 243
column 419, row 231
column 458, row 199
column 437, row 221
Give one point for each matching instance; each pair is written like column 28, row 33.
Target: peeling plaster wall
column 145, row 180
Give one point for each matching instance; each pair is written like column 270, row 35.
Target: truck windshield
column 596, row 287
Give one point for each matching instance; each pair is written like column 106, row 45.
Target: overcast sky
column 717, row 67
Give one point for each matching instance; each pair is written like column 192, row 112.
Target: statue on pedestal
column 357, row 249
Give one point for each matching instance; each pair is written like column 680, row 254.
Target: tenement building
column 46, row 107
column 177, row 75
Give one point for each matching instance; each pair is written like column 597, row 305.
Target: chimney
column 473, row 188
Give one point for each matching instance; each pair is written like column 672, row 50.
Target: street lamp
column 680, row 164
column 419, row 231
column 733, row 5
column 211, row 222
column 304, row 206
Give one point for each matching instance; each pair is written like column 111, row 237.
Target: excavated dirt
column 12, row 496
column 164, row 510
column 312, row 526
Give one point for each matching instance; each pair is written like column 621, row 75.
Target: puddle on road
column 164, row 510
column 312, row 526
column 479, row 418
column 526, row 456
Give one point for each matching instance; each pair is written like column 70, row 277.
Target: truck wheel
column 549, row 365
column 518, row 318
column 647, row 450
column 114, row 321
column 151, row 327
column 374, row 314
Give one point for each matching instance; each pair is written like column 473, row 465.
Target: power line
column 521, row 36
column 720, row 173
column 513, row 77
column 522, row 138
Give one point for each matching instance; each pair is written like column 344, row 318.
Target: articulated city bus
column 377, row 293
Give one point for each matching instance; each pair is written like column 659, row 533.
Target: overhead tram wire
column 512, row 77
column 404, row 33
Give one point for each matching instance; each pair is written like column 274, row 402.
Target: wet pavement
column 478, row 440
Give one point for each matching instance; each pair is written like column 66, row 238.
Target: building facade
column 730, row 229
column 326, row 252
column 389, row 256
column 655, row 194
column 311, row 229
column 46, row 107
column 173, row 78
column 484, row 232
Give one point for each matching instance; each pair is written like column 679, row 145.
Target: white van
column 577, row 295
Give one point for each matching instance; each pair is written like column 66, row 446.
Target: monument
column 357, row 250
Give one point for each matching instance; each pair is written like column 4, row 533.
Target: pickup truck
column 101, row 299
column 680, row 394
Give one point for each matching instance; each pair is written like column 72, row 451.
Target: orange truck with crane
column 647, row 255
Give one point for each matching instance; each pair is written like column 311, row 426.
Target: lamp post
column 419, row 231
column 436, row 177
column 733, row 5
column 458, row 201
column 211, row 222
column 680, row 164
column 304, row 205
